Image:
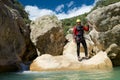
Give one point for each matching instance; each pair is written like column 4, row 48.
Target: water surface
column 63, row 75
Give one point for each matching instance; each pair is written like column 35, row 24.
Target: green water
column 64, row 75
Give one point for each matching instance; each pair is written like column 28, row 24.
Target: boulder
column 48, row 62
column 106, row 26
column 47, row 35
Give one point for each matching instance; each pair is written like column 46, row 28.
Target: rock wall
column 14, row 38
column 106, row 23
column 105, row 18
column 47, row 35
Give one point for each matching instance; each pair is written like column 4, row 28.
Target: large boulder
column 106, row 26
column 68, row 61
column 13, row 44
column 47, row 35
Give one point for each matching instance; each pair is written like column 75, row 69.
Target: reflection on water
column 63, row 75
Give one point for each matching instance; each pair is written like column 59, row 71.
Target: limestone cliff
column 106, row 26
column 14, row 38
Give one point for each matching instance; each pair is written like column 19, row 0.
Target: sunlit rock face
column 106, row 22
column 47, row 35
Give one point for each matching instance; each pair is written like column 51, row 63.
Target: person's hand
column 91, row 25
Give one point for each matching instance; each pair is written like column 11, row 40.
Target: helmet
column 78, row 20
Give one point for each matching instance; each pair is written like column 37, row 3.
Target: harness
column 79, row 36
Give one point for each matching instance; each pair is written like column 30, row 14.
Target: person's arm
column 74, row 32
column 90, row 25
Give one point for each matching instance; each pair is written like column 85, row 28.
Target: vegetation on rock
column 20, row 8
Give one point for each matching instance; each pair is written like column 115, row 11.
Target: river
column 63, row 75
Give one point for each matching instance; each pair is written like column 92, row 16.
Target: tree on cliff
column 20, row 8
column 102, row 3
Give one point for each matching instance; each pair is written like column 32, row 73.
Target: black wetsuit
column 80, row 39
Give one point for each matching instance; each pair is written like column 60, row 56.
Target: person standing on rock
column 78, row 34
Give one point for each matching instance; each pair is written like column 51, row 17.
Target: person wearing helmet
column 78, row 33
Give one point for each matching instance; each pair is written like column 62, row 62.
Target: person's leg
column 85, row 47
column 78, row 49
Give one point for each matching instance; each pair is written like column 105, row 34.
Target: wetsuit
column 78, row 32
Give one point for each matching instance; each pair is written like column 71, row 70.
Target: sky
column 61, row 8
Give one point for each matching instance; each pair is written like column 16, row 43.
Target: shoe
column 86, row 57
column 79, row 59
